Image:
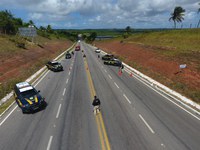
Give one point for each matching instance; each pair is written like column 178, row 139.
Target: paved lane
column 66, row 123
column 135, row 116
column 153, row 121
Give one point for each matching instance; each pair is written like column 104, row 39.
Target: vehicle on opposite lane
column 28, row 98
column 54, row 66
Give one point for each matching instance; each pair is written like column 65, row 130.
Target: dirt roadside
column 34, row 57
column 161, row 68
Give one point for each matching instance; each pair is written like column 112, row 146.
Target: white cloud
column 108, row 13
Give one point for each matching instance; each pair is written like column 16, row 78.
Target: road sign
column 29, row 32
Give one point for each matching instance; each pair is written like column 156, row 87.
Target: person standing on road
column 96, row 103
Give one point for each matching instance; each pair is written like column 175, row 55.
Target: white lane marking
column 162, row 145
column 17, row 105
column 110, row 77
column 69, row 73
column 127, row 98
column 171, row 100
column 116, row 85
column 67, row 81
column 105, row 70
column 39, row 77
column 8, row 115
column 57, row 115
column 49, row 143
column 146, row 124
column 64, row 91
column 42, row 78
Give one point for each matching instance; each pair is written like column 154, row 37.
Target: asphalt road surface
column 133, row 115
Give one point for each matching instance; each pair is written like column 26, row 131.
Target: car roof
column 53, row 62
column 24, row 86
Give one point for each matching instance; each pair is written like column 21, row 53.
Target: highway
column 133, row 116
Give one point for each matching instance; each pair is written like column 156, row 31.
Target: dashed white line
column 64, row 91
column 127, row 98
column 67, row 81
column 105, row 70
column 49, row 143
column 170, row 99
column 8, row 115
column 116, row 85
column 110, row 77
column 57, row 115
column 146, row 124
column 69, row 73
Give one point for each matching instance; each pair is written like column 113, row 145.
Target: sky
column 100, row 14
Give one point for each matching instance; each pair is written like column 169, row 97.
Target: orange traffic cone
column 131, row 74
column 120, row 73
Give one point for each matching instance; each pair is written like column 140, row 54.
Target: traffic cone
column 120, row 73
column 131, row 74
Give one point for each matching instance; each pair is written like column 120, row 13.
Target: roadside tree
column 177, row 15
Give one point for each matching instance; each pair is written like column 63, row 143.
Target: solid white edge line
column 58, row 112
column 147, row 124
column 64, row 91
column 39, row 77
column 110, row 77
column 8, row 115
column 42, row 78
column 127, row 98
column 49, row 143
column 116, row 85
column 168, row 99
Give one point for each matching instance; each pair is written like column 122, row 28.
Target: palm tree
column 177, row 15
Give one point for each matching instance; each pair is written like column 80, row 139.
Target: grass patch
column 183, row 44
column 4, row 106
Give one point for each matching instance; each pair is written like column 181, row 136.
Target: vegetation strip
column 32, row 78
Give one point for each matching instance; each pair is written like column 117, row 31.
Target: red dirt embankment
column 157, row 66
column 16, row 65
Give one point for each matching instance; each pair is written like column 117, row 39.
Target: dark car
column 54, row 66
column 107, row 57
column 68, row 56
column 28, row 98
column 113, row 62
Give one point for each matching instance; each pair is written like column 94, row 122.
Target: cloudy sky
column 87, row 14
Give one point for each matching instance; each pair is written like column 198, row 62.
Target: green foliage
column 91, row 37
column 177, row 15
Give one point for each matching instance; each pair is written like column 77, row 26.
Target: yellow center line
column 99, row 120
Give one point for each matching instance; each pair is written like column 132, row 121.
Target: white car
column 97, row 50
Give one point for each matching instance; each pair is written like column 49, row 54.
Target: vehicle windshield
column 56, row 64
column 29, row 93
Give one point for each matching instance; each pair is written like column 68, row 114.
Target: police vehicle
column 114, row 62
column 28, row 98
column 54, row 66
column 107, row 57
